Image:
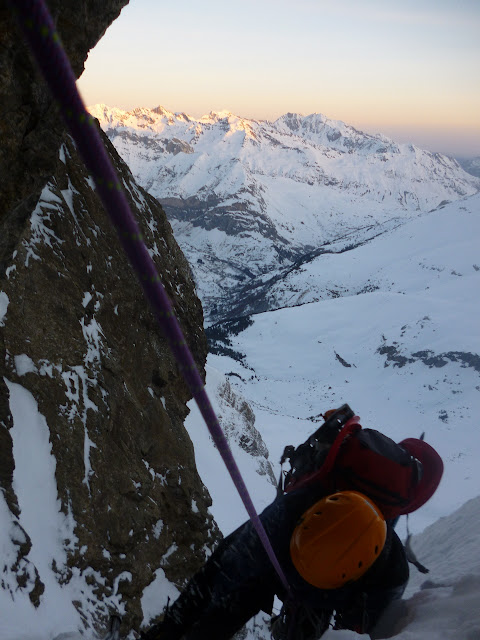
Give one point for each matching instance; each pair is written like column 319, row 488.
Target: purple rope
column 37, row 25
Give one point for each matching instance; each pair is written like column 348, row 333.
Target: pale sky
column 409, row 69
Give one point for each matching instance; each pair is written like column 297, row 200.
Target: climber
column 332, row 528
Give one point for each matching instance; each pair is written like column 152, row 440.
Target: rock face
column 232, row 408
column 83, row 361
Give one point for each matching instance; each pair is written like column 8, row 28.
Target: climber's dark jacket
column 238, row 581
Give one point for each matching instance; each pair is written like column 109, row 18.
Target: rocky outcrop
column 29, row 127
column 82, row 360
column 238, row 423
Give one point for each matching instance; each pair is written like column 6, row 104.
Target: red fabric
column 387, row 482
column 432, row 471
column 385, row 471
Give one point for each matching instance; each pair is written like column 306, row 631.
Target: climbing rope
column 43, row 39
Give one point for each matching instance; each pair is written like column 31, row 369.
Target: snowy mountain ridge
column 308, row 149
column 246, row 197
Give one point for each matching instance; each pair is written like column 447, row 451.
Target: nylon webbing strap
column 37, row 25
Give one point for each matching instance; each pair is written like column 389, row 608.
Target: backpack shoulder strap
column 350, row 427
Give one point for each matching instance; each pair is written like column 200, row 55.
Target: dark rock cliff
column 81, row 350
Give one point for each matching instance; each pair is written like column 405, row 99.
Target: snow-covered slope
column 246, row 197
column 399, row 343
column 432, row 250
column 238, row 423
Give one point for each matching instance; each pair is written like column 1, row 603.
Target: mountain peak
column 161, row 111
column 224, row 114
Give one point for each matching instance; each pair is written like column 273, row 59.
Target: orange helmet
column 338, row 539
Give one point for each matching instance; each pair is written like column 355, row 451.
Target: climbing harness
column 43, row 39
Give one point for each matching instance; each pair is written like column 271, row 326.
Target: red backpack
column 341, row 455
